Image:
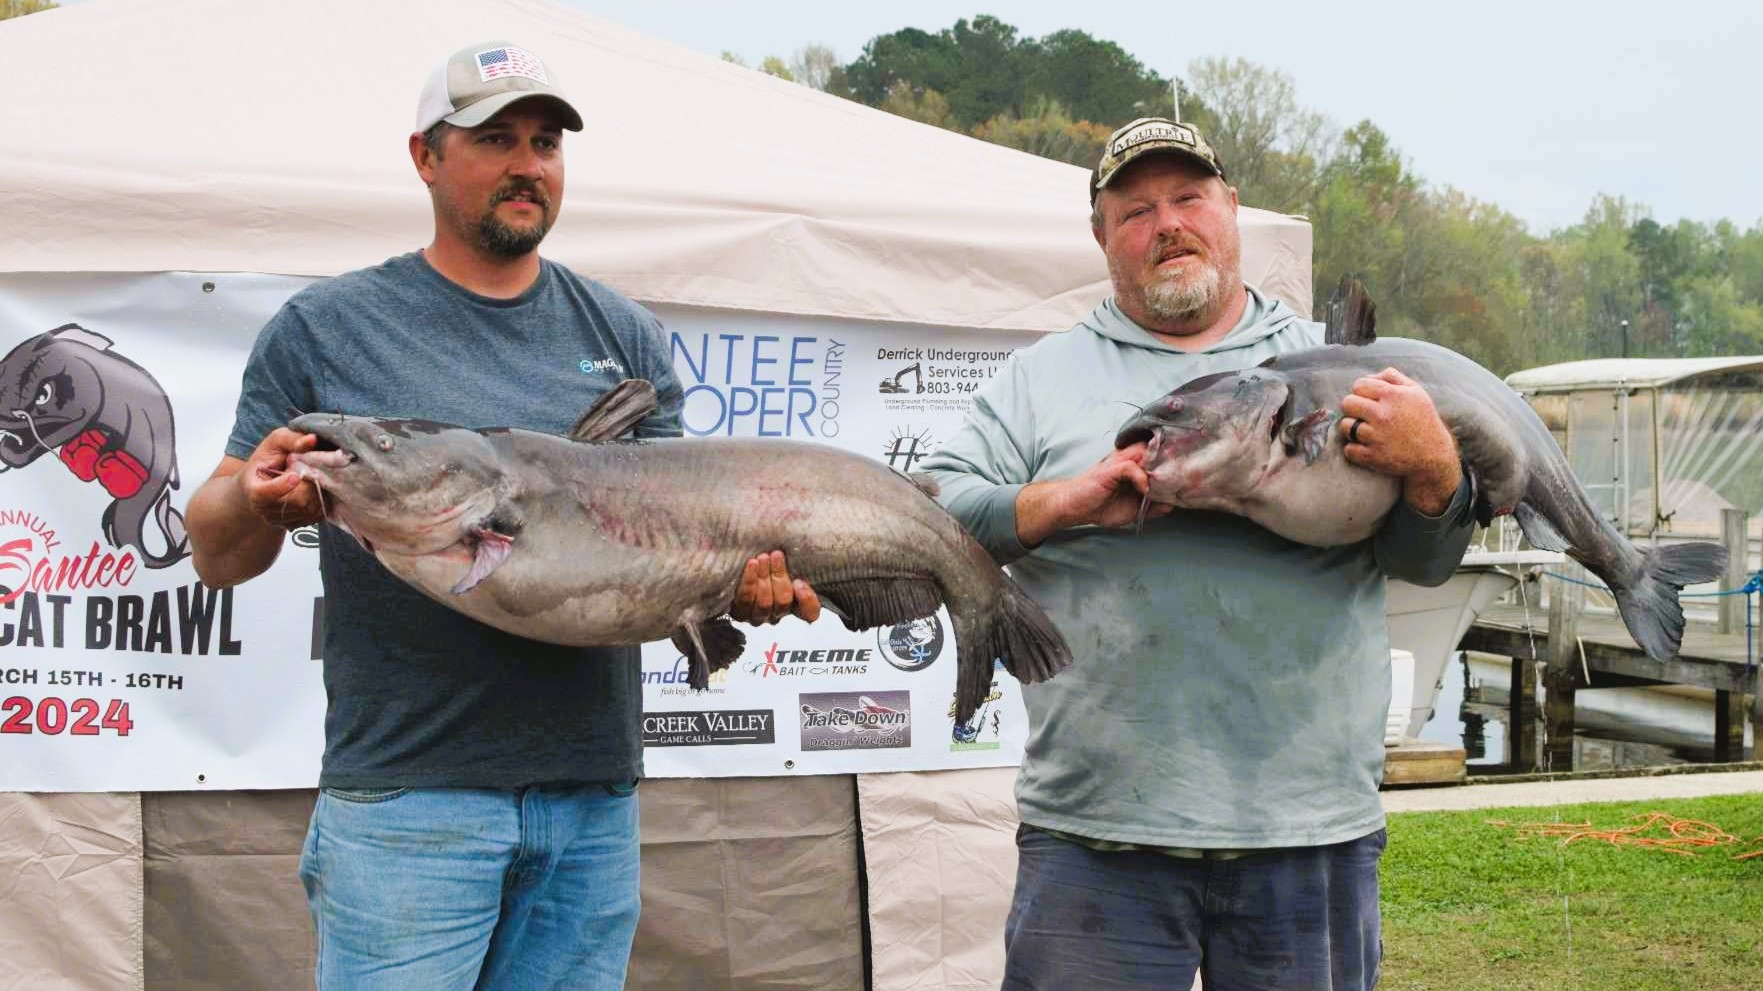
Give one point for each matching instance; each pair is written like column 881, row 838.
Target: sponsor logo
column 985, row 730
column 911, row 646
column 905, row 448
column 764, row 385
column 595, row 366
column 856, row 721
column 921, row 379
column 820, row 661
column 709, row 728
column 671, row 679
column 892, row 385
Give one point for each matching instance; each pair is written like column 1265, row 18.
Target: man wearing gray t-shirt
column 477, row 819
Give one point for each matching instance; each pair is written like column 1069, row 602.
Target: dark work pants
column 1298, row 919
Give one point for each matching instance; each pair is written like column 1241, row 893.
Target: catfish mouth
column 328, row 434
column 24, row 430
column 1133, row 433
column 325, row 456
column 331, row 454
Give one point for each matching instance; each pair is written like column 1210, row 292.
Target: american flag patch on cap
column 499, row 62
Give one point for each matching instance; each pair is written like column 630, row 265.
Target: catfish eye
column 45, row 395
column 383, row 442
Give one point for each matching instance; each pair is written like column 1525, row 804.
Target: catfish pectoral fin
column 870, row 602
column 1537, row 529
column 491, row 549
column 1309, row 433
column 709, row 646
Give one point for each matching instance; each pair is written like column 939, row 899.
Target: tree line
column 19, row 8
column 1443, row 265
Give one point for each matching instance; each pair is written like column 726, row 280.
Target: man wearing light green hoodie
column 1199, row 789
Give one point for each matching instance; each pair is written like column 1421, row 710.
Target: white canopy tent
column 215, row 136
column 209, row 135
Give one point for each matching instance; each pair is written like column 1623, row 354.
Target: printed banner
column 119, row 670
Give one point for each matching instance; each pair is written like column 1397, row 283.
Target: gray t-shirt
column 419, row 695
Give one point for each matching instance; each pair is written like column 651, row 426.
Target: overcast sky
column 1535, row 106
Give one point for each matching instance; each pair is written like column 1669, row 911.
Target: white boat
column 1429, row 622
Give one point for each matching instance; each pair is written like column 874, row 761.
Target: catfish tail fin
column 1650, row 607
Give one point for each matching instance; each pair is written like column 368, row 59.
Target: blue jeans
column 450, row 888
column 1299, row 919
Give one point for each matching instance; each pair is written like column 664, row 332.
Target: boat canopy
column 1662, row 445
column 1624, row 373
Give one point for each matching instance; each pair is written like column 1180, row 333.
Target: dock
column 1595, row 651
column 1413, row 763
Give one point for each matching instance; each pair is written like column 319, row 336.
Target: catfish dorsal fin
column 619, row 410
column 1351, row 316
column 80, row 335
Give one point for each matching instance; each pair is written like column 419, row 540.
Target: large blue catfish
column 591, row 541
column 1262, row 443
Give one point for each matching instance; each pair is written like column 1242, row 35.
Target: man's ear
column 423, row 158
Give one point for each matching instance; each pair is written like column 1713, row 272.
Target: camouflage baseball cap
column 476, row 82
column 1151, row 136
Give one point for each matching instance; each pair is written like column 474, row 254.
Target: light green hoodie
column 1229, row 687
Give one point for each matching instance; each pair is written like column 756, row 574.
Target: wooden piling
column 1562, row 676
column 1735, row 525
column 1729, row 727
column 1729, row 713
column 1521, row 701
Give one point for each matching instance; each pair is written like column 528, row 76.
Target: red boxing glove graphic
column 118, row 471
column 81, row 454
column 120, row 474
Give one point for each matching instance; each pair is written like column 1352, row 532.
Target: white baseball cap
column 476, row 82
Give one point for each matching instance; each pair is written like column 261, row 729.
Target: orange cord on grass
column 1682, row 835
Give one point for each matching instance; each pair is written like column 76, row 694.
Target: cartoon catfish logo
column 109, row 422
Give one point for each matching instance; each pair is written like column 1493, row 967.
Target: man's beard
column 1183, row 296
column 1190, row 292
column 498, row 238
column 494, row 236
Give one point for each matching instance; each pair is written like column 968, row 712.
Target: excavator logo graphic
column 892, row 387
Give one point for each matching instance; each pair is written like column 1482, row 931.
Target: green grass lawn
column 1468, row 906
